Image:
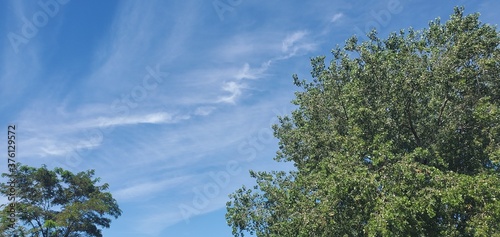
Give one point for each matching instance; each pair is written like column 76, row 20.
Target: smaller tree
column 52, row 203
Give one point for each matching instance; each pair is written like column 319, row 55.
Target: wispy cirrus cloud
column 204, row 110
column 291, row 45
column 337, row 17
column 296, row 43
column 151, row 118
column 234, row 90
column 142, row 190
column 182, row 125
column 14, row 77
column 75, row 91
column 58, row 137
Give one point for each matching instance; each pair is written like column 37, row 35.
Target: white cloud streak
column 293, row 44
column 141, row 191
column 234, row 90
column 337, row 17
column 201, row 92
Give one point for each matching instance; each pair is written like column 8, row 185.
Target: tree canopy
column 58, row 203
column 394, row 137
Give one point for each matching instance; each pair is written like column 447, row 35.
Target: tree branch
column 410, row 123
column 68, row 229
column 41, row 226
column 343, row 104
column 441, row 111
column 34, row 227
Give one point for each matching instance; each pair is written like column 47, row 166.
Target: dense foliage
column 58, row 203
column 395, row 137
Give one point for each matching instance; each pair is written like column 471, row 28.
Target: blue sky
column 171, row 102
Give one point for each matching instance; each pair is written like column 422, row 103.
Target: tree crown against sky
column 395, row 137
column 57, row 202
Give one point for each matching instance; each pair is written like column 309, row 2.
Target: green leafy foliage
column 58, row 203
column 395, row 137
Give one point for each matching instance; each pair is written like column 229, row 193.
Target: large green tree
column 57, row 203
column 395, row 137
